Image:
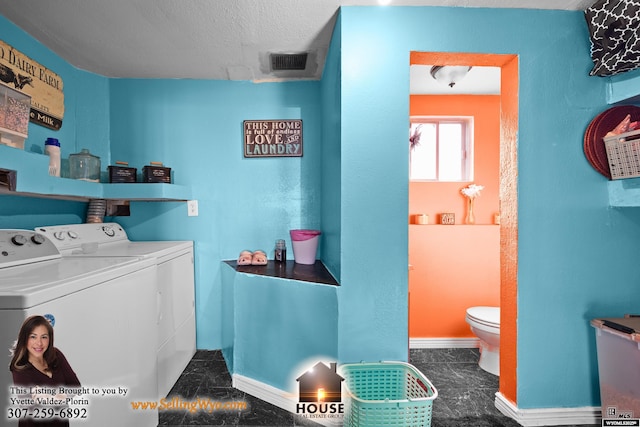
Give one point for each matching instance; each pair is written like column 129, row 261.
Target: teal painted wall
column 196, row 128
column 576, row 255
column 374, row 106
column 281, row 328
column 28, row 213
column 86, row 100
column 331, row 156
column 85, row 125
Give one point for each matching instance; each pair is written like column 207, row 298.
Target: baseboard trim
column 524, row 417
column 275, row 396
column 265, row 392
column 444, row 342
column 548, row 416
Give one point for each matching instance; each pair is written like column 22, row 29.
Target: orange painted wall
column 509, row 227
column 456, row 267
column 453, row 268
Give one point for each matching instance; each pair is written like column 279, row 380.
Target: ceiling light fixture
column 449, row 74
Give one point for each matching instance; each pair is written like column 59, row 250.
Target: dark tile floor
column 466, row 393
column 206, row 376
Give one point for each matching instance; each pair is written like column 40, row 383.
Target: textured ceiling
column 201, row 39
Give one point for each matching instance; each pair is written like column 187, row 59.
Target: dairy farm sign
column 273, row 138
column 23, row 74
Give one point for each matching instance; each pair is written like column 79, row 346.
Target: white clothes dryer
column 176, row 285
column 99, row 323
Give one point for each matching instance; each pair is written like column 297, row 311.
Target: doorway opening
column 506, row 109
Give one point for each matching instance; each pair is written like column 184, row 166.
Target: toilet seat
column 487, row 316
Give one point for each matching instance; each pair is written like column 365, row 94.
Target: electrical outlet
column 192, row 207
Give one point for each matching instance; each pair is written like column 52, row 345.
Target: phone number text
column 46, row 413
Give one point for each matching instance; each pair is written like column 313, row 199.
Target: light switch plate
column 192, row 207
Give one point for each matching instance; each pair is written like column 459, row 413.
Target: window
column 441, row 149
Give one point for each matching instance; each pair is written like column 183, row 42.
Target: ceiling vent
column 288, row 61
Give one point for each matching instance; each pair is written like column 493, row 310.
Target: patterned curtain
column 614, row 31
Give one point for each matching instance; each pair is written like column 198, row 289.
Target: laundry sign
column 23, row 74
column 272, row 138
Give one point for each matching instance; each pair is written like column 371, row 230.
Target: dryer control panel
column 83, row 236
column 18, row 247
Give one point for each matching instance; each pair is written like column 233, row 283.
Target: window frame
column 467, row 142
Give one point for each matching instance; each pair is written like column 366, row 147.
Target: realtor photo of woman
column 40, row 367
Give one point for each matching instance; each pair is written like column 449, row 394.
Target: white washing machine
column 176, row 287
column 100, row 323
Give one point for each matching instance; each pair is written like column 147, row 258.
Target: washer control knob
column 19, row 240
column 72, row 234
column 58, row 235
column 38, row 239
column 108, row 231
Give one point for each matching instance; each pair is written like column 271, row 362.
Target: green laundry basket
column 387, row 394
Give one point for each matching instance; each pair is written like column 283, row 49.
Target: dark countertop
column 316, row 273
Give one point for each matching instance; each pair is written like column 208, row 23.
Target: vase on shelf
column 470, row 218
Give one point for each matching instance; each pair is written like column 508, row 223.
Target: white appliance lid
column 134, row 249
column 32, row 284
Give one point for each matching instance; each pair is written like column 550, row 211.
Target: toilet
column 485, row 324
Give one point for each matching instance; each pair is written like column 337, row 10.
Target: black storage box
column 156, row 174
column 120, row 174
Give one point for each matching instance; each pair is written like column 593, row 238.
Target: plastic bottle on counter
column 281, row 251
column 52, row 149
